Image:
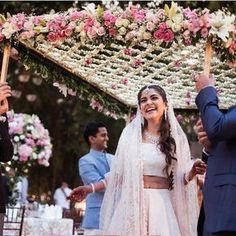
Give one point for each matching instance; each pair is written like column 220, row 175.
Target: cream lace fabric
column 122, row 211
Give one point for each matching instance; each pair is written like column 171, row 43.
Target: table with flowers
column 45, row 227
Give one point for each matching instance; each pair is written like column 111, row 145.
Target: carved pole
column 5, row 61
column 208, row 56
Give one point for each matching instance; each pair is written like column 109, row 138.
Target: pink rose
column 158, row 35
column 28, row 26
column 109, row 18
column 96, row 105
column 162, row 26
column 150, row 26
column 1, row 37
column 168, row 36
column 112, row 32
column 101, row 31
column 27, row 34
column 232, row 48
column 204, row 32
column 160, row 14
column 124, row 81
column 92, row 33
column 188, row 42
column 139, row 16
column 37, row 20
column 113, row 86
column 52, row 37
column 186, row 34
column 68, row 32
column 88, row 61
column 137, row 63
column 76, row 15
column 128, row 51
column 24, row 152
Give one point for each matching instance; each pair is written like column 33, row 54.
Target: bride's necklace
column 150, row 138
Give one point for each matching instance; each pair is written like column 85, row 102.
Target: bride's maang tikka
column 146, row 90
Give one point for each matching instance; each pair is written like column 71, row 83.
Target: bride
column 150, row 189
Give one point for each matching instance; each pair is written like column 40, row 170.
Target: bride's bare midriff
column 155, row 182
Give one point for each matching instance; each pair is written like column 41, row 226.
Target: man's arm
column 218, row 126
column 6, row 147
column 88, row 172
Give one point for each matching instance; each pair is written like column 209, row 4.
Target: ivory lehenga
column 128, row 208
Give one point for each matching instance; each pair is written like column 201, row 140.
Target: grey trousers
column 1, row 223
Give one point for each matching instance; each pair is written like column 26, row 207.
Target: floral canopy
column 106, row 56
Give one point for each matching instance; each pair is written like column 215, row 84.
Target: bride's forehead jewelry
column 146, row 90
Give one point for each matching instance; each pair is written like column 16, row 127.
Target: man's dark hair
column 92, row 129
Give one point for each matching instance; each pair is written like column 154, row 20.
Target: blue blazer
column 92, row 168
column 219, row 191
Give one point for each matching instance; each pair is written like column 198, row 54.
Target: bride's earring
column 142, row 120
column 165, row 113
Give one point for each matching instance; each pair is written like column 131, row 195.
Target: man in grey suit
column 219, row 191
column 92, row 168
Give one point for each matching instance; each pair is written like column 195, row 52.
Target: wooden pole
column 208, row 56
column 5, row 61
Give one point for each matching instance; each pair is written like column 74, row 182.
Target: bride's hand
column 80, row 193
column 198, row 168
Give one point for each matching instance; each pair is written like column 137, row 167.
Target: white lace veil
column 122, row 211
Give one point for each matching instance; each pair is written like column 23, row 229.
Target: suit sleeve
column 88, row 172
column 204, row 157
column 218, row 126
column 6, row 147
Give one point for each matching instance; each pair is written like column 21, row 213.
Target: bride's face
column 152, row 105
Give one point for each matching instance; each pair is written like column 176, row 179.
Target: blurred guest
column 22, row 190
column 6, row 147
column 61, row 194
column 93, row 167
column 5, row 184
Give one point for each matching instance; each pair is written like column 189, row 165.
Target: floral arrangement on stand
column 31, row 141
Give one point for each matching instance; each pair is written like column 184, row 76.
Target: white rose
column 122, row 30
column 16, row 139
column 119, row 22
column 125, row 23
column 147, row 35
column 22, row 137
column 34, row 156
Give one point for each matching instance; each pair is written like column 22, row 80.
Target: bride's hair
column 167, row 143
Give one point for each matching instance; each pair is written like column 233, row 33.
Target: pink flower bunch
column 196, row 23
column 109, row 23
column 137, row 63
column 31, row 141
column 96, row 105
column 18, row 21
column 164, row 33
column 232, row 48
column 77, row 15
column 60, row 28
column 139, row 15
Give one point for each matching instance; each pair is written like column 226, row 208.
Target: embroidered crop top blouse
column 153, row 160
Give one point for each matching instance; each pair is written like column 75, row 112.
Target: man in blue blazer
column 219, row 191
column 92, row 168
